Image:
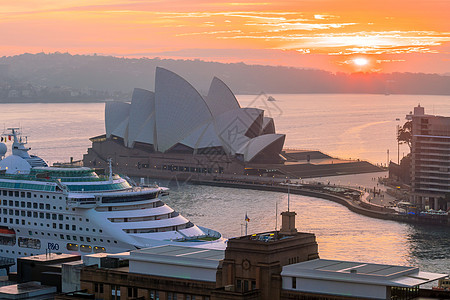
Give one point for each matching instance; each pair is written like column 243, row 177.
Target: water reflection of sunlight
column 341, row 234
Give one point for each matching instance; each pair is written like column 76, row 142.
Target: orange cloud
column 334, row 29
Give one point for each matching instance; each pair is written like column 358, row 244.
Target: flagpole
column 246, row 224
column 276, row 215
column 288, row 197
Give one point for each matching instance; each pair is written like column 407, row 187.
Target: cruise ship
column 80, row 210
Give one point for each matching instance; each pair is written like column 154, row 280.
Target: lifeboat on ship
column 7, row 232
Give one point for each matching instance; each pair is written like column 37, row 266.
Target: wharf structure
column 176, row 132
column 430, row 161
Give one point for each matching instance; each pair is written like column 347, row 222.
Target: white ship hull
column 74, row 210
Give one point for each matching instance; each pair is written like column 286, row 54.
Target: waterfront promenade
column 357, row 198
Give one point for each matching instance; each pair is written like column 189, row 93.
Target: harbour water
column 341, row 234
column 347, row 126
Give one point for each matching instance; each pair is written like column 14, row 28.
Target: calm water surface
column 356, row 126
column 346, row 126
column 341, row 234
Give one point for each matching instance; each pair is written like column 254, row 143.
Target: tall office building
column 430, row 165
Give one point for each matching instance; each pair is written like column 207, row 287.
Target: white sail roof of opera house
column 140, row 126
column 177, row 118
column 220, row 98
column 180, row 109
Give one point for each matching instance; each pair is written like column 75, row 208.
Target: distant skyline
column 337, row 36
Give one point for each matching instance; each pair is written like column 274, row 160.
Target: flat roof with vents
column 176, row 261
column 361, row 272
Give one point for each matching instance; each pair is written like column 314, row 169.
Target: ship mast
column 110, row 170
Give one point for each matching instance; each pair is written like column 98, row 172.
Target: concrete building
column 164, row 272
column 31, row 290
column 260, row 266
column 335, row 279
column 249, row 268
column 430, row 165
column 46, row 268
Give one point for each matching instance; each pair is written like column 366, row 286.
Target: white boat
column 77, row 210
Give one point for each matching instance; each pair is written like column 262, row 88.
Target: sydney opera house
column 175, row 129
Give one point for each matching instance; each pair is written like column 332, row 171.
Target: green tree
column 404, row 135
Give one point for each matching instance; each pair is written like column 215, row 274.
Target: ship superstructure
column 80, row 210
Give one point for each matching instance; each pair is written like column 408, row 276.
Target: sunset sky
column 346, row 35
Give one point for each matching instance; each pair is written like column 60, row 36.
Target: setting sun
column 360, row 61
column 289, row 33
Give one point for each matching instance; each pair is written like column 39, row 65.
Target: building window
column 171, row 296
column 132, row 292
column 154, row 295
column 115, row 292
column 294, row 282
column 238, row 284
column 98, row 288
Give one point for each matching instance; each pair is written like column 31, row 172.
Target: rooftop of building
column 27, row 290
column 272, row 236
column 175, row 255
column 51, row 257
column 367, row 273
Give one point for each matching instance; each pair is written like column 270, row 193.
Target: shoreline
column 355, row 204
